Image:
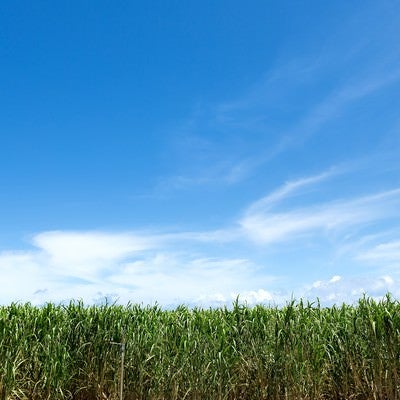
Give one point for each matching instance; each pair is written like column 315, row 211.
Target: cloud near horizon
column 179, row 267
column 123, row 266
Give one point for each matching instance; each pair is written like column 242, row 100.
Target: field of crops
column 300, row 351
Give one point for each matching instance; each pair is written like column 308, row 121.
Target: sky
column 192, row 152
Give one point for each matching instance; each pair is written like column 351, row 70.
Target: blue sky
column 193, row 151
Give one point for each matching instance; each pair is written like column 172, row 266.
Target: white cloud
column 95, row 265
column 64, row 265
column 262, row 225
column 288, row 189
column 339, row 289
column 335, row 279
column 69, row 247
column 249, row 298
column 384, row 252
column 254, row 296
column 85, row 254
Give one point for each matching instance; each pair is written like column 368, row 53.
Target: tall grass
column 300, row 351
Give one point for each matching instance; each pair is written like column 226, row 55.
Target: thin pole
column 121, row 382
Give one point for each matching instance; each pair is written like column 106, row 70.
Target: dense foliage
column 300, row 351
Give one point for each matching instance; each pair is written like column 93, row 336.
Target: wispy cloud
column 386, row 253
column 231, row 159
column 288, row 189
column 264, row 225
column 293, row 101
column 337, row 101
